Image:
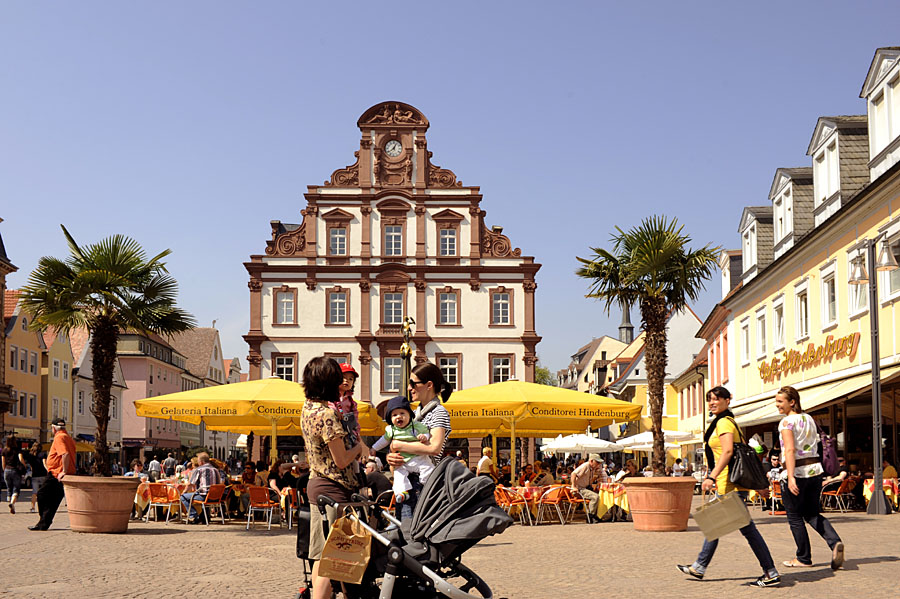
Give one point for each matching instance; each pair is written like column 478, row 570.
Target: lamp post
column 878, row 504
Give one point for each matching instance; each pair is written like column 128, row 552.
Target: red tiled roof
column 79, row 340
column 10, row 299
column 245, row 377
column 227, row 364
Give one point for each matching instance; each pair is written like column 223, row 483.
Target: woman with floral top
column 330, row 454
column 803, row 471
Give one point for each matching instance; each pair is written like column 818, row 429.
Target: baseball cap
column 345, row 368
column 58, row 422
column 596, row 457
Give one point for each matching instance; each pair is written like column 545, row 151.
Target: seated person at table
column 542, row 476
column 581, row 480
column 262, row 474
column 275, row 478
column 202, row 478
column 630, row 469
column 376, row 482
column 527, row 475
column 301, row 481
column 248, row 477
column 888, row 470
column 830, row 483
column 137, row 469
column 600, row 476
column 485, row 465
column 402, row 427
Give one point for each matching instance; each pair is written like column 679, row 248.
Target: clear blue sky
column 191, row 125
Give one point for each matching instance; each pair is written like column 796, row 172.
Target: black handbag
column 303, row 522
column 745, row 470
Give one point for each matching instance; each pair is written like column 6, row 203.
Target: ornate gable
column 884, row 60
column 824, row 129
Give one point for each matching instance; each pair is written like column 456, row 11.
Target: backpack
column 828, row 453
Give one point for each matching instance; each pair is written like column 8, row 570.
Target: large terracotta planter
column 100, row 504
column 660, row 503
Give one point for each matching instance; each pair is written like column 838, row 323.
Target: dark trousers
column 49, row 496
column 804, row 508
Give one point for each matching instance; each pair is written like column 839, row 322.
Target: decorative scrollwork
column 497, row 245
column 442, row 177
column 529, row 286
column 345, row 177
column 255, row 284
column 286, row 242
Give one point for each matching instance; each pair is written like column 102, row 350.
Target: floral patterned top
column 321, row 424
column 806, row 443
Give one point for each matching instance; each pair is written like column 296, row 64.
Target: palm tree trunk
column 654, row 315
column 104, row 345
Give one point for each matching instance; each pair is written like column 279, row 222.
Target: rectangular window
column 778, row 321
column 14, row 408
column 892, row 284
column 65, row 371
column 55, row 407
column 284, row 307
column 392, row 373
column 393, row 308
column 745, row 343
column 23, row 360
column 56, row 369
column 80, row 403
column 829, row 300
column 447, row 308
column 65, row 408
column 337, row 307
column 500, row 308
column 284, row 367
column 779, row 219
column 337, row 241
column 761, row 334
column 393, row 240
column 13, row 354
column 802, row 311
column 113, row 409
column 448, row 242
column 23, row 405
column 501, row 368
column 449, row 366
column 32, row 406
column 32, row 367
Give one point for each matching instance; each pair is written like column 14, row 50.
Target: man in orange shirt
column 60, row 462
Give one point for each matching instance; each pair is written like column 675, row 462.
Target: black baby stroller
column 422, row 555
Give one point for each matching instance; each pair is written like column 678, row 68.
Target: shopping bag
column 347, row 551
column 722, row 515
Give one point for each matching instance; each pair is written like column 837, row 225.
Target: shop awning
column 815, row 397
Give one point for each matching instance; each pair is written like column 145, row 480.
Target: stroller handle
column 325, row 500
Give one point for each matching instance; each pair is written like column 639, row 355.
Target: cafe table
column 890, row 486
column 609, row 495
column 142, row 495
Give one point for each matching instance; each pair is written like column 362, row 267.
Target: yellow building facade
column 24, row 349
column 56, row 381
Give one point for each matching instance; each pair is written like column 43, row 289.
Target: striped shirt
column 205, row 476
column 439, row 417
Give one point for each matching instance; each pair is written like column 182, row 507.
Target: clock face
column 393, row 148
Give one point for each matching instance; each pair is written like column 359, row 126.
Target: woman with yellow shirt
column 720, row 437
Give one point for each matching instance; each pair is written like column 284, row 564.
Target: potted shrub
column 650, row 266
column 107, row 287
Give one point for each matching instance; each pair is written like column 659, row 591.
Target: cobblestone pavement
column 603, row 560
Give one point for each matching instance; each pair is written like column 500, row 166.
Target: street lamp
column 878, row 504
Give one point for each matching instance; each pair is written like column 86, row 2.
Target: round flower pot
column 660, row 503
column 100, row 504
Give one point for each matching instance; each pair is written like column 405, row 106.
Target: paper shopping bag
column 722, row 516
column 347, row 551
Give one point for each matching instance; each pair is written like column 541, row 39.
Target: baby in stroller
column 401, row 426
column 422, row 555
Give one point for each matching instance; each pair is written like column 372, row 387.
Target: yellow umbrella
column 529, row 409
column 266, row 406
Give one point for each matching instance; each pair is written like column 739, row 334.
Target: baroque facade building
column 390, row 236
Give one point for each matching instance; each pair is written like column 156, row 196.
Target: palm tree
column 106, row 287
column 650, row 266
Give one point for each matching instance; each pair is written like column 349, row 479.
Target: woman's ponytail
column 428, row 372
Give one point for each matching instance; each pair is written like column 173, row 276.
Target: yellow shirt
column 889, row 472
column 725, row 425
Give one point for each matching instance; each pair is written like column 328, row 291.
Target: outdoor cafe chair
column 553, row 497
column 839, row 496
column 574, row 499
column 260, row 502
column 159, row 497
column 776, row 498
column 293, row 503
column 514, row 498
column 214, row 497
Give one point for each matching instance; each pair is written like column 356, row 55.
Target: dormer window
column 783, row 215
column 884, row 114
column 749, row 247
column 825, row 166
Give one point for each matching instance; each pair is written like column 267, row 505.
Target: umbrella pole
column 512, row 452
column 273, row 448
column 494, row 453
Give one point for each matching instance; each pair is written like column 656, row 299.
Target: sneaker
column 766, row 581
column 12, row 508
column 837, row 556
column 689, row 570
column 402, row 497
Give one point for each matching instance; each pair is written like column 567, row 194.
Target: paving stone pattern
column 578, row 560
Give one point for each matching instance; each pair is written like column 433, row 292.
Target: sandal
column 793, row 563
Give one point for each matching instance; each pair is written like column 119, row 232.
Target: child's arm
column 421, row 432
column 381, row 443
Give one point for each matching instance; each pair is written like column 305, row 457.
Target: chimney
column 626, row 329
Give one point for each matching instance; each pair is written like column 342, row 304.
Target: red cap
column 348, row 368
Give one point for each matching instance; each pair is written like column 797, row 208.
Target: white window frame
column 284, row 367
column 14, row 407
column 284, row 307
column 393, row 308
column 80, row 402
column 337, row 241
column 778, row 324
column 23, row 359
column 761, row 333
column 56, row 369
column 828, row 276
column 393, row 240
column 55, row 411
column 32, row 366
column 749, row 247
column 13, row 357
column 447, row 302
column 745, row 341
column 32, row 406
column 801, row 312
column 501, row 369
column 113, row 410
column 826, row 171
column 337, row 307
column 447, row 242
column 393, row 371
column 500, row 307
column 449, row 366
column 65, row 371
column 886, row 280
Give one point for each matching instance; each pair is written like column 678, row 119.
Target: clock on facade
column 393, row 148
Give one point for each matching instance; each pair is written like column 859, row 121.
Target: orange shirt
column 62, row 444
